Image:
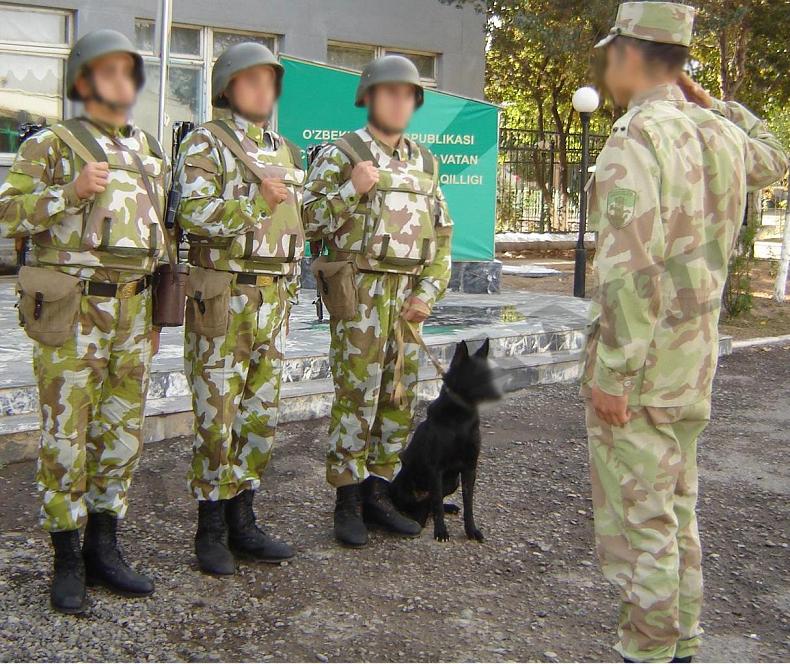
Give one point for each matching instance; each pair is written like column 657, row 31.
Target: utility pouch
column 208, row 302
column 337, row 285
column 49, row 304
column 169, row 294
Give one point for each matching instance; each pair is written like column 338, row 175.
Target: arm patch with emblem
column 620, row 206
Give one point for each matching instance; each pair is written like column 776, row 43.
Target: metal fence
column 538, row 182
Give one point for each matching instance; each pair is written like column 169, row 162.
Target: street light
column 585, row 102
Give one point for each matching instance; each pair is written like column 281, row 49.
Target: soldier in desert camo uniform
column 78, row 189
column 667, row 199
column 241, row 209
column 402, row 266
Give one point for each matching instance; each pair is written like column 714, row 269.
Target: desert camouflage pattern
column 117, row 229
column 228, row 223
column 368, row 428
column 644, row 488
column 668, row 199
column 664, row 22
column 92, row 394
column 235, row 380
column 403, row 226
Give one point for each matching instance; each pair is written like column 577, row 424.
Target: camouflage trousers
column 368, row 428
column 235, row 381
column 92, row 394
column 644, row 488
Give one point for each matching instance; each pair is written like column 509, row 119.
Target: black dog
column 446, row 446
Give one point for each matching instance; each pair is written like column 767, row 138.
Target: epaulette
column 621, row 125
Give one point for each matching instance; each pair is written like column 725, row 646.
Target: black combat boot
column 104, row 562
column 684, row 660
column 378, row 509
column 67, row 593
column 211, row 539
column 350, row 528
column 245, row 538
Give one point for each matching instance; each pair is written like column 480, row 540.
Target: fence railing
column 539, row 180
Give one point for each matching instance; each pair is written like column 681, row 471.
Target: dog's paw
column 475, row 534
column 451, row 508
column 441, row 534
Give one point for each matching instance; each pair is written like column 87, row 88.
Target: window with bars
column 193, row 52
column 34, row 45
column 356, row 56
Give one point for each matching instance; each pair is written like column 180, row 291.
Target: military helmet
column 94, row 45
column 389, row 69
column 238, row 58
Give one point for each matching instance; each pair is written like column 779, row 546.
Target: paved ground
column 532, row 591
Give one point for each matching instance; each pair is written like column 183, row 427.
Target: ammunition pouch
column 49, row 304
column 337, row 285
column 208, row 302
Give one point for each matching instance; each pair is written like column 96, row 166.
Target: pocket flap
column 328, row 268
column 52, row 285
column 202, row 162
column 207, row 283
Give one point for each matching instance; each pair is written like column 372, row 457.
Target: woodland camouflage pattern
column 38, row 199
column 668, row 199
column 229, row 224
column 92, row 389
column 367, row 429
column 664, row 22
column 235, row 377
column 235, row 381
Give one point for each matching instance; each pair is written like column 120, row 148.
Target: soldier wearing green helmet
column 241, row 209
column 394, row 271
column 88, row 192
column 667, row 199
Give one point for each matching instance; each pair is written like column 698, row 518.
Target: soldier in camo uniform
column 402, row 266
column 667, row 199
column 78, row 191
column 241, row 209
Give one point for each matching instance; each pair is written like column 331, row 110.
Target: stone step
column 168, row 379
column 171, row 416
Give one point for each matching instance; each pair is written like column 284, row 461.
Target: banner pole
column 165, row 19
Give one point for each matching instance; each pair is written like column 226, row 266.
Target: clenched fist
column 364, row 177
column 694, row 92
column 274, row 192
column 92, row 179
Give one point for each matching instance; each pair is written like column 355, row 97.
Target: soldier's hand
column 694, row 92
column 364, row 177
column 611, row 409
column 92, row 179
column 274, row 192
column 415, row 310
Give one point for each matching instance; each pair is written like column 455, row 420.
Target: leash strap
column 399, row 394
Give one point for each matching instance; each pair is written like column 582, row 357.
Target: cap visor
column 606, row 40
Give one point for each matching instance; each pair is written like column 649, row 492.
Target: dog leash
column 399, row 394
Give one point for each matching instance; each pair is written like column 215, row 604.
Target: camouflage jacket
column 112, row 236
column 228, row 223
column 668, row 199
column 334, row 213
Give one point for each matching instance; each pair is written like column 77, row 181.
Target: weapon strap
column 352, row 145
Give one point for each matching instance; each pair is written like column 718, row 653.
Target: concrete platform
column 535, row 339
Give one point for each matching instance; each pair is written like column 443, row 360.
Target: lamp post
column 585, row 102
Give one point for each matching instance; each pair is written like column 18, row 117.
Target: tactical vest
column 277, row 244
column 119, row 229
column 398, row 232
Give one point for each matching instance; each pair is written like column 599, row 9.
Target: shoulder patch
column 620, row 207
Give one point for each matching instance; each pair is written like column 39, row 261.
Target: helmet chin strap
column 96, row 96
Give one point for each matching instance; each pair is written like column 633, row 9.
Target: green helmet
column 94, row 45
column 389, row 69
column 235, row 59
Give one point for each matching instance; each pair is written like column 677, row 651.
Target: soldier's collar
column 402, row 150
column 262, row 136
column 124, row 131
column 663, row 92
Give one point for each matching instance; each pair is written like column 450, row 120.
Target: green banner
column 317, row 106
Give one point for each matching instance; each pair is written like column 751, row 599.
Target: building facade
column 445, row 42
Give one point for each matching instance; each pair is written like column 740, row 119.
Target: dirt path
column 531, row 592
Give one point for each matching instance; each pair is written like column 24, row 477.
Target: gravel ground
column 532, row 591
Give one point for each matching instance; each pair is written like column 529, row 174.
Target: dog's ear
column 484, row 348
column 461, row 354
